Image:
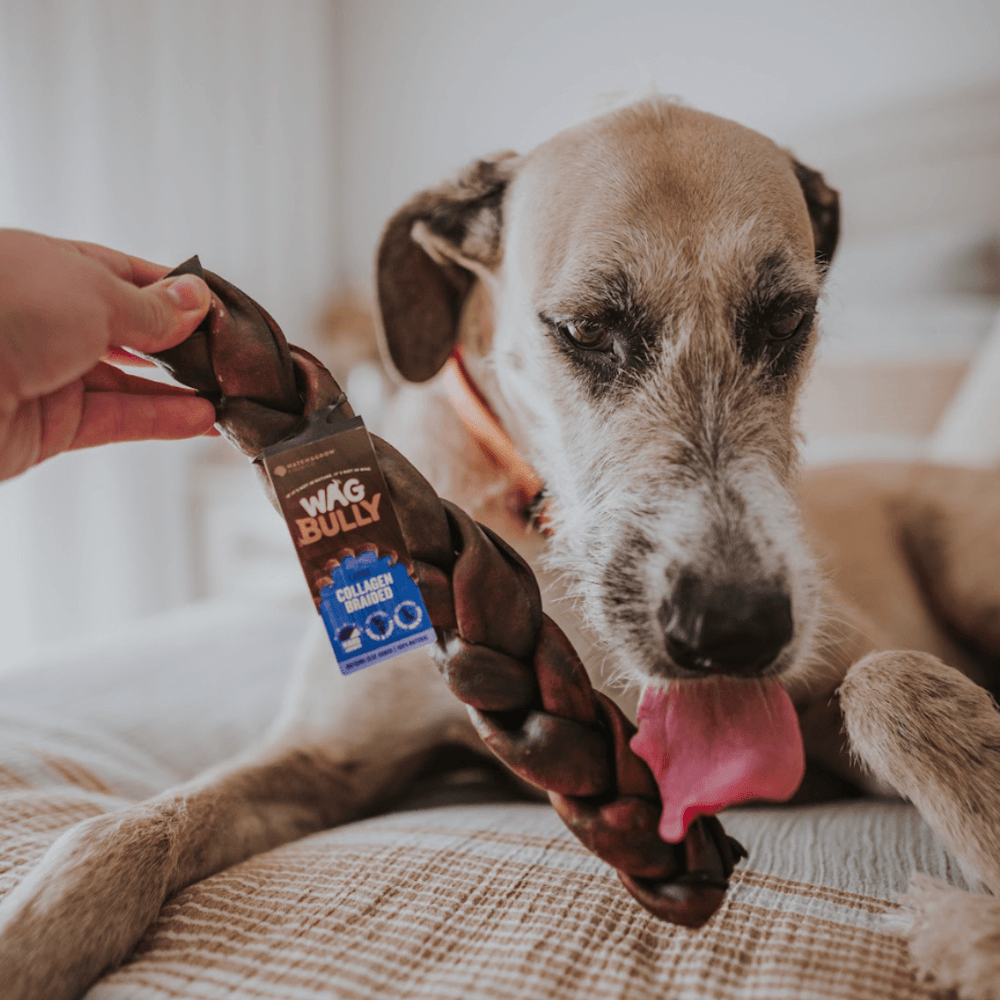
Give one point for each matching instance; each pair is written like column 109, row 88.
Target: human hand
column 65, row 306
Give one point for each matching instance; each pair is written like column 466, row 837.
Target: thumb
column 162, row 314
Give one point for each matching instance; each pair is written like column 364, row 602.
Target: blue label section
column 372, row 612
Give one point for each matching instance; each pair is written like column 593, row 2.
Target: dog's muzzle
column 725, row 628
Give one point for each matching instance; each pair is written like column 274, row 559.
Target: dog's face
column 652, row 280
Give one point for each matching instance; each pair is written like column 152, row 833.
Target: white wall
column 171, row 127
column 429, row 85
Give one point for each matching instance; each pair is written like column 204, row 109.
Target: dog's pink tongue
column 714, row 743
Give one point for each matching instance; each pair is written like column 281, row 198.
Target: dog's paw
column 954, row 938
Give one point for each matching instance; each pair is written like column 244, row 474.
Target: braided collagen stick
column 528, row 693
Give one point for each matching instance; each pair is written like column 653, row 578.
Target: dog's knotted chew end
column 693, row 895
column 238, row 358
column 622, row 832
column 690, row 903
column 531, row 698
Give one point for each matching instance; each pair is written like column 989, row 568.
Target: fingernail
column 187, row 292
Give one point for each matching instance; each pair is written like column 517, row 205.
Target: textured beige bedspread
column 494, row 900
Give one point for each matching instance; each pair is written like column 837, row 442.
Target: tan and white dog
column 636, row 300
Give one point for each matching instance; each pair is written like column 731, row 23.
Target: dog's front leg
column 340, row 746
column 89, row 899
column 934, row 735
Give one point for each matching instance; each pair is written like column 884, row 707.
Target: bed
column 461, row 890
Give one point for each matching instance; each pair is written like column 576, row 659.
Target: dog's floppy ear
column 429, row 253
column 824, row 210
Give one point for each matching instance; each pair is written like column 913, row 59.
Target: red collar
column 484, row 425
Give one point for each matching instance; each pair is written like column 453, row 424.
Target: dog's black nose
column 726, row 628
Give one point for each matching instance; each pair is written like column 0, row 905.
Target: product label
column 342, row 522
column 373, row 611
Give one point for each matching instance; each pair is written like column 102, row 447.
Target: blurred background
column 274, row 139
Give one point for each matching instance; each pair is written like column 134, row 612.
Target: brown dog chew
column 531, row 699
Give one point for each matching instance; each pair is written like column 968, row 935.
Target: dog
column 636, row 300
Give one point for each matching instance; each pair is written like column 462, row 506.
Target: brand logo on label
column 339, row 507
column 327, row 500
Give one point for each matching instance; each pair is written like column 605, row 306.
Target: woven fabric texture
column 486, row 901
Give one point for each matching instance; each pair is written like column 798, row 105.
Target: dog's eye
column 787, row 325
column 589, row 336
